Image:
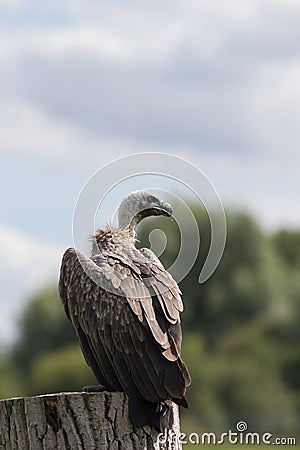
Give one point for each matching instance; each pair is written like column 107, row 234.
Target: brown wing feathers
column 130, row 337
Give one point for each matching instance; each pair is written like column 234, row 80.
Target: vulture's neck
column 111, row 237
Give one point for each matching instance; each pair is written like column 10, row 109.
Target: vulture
column 125, row 309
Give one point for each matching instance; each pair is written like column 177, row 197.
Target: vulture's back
column 125, row 307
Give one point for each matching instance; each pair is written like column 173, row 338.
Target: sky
column 84, row 82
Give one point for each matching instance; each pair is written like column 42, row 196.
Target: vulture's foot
column 159, row 415
column 162, row 409
column 98, row 388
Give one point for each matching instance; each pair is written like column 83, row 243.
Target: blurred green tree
column 241, row 330
column 63, row 369
column 43, row 327
column 10, row 385
column 236, row 327
column 287, row 244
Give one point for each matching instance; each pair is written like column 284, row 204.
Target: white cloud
column 90, row 82
column 26, row 128
column 26, row 264
column 11, row 4
column 57, row 43
column 190, row 74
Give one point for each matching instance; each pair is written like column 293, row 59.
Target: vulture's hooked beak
column 166, row 209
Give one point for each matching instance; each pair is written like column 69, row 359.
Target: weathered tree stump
column 77, row 421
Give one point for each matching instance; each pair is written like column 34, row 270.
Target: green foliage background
column 241, row 333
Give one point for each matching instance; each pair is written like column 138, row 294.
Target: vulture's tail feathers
column 181, row 402
column 158, row 415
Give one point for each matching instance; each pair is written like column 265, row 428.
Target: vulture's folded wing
column 126, row 311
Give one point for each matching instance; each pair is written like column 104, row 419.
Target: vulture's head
column 140, row 204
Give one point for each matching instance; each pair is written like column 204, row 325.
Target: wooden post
column 77, row 421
